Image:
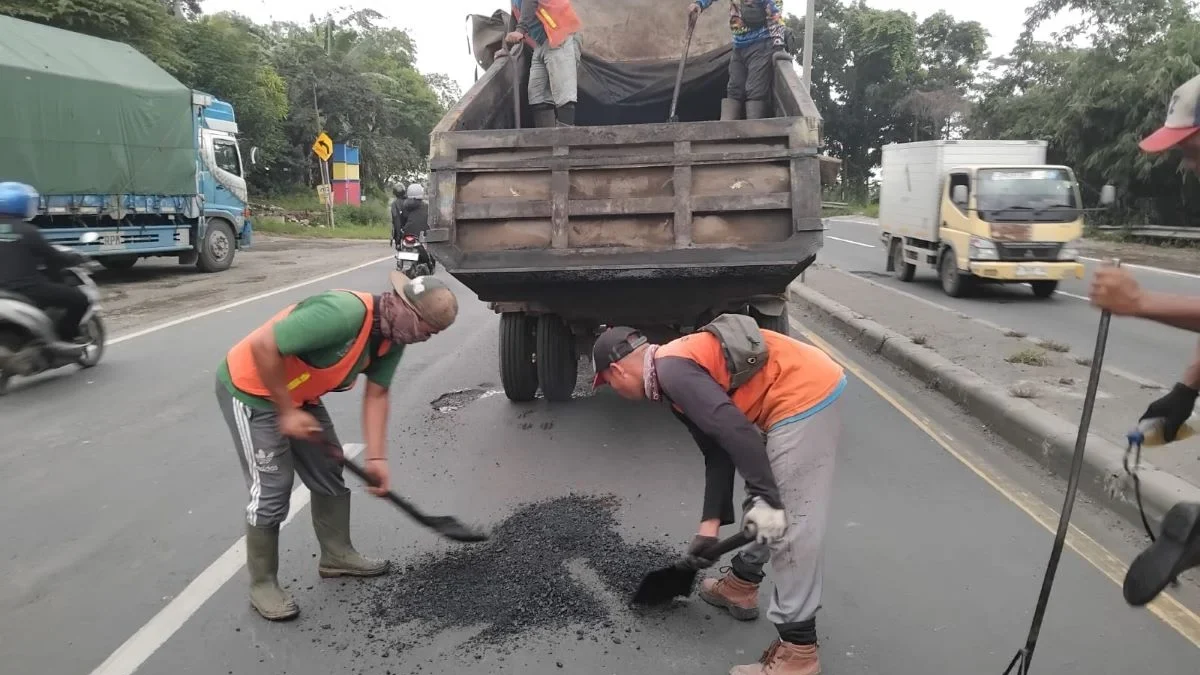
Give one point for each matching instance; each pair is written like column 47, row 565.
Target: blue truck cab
column 204, row 228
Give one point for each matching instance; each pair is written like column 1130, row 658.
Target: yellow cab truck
column 980, row 212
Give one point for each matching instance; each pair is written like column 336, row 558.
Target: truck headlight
column 982, row 249
column 1069, row 251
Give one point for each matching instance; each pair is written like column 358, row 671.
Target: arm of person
column 719, row 473
column 41, row 248
column 1191, row 376
column 376, row 403
column 528, row 16
column 1115, row 289
column 706, row 404
column 1180, row 311
column 315, row 324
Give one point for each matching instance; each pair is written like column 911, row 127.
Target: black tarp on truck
column 623, row 220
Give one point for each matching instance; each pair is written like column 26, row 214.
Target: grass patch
column 919, row 339
column 1055, row 346
column 1067, row 381
column 1024, row 390
column 378, row 230
column 1014, row 334
column 1029, row 357
column 1085, row 361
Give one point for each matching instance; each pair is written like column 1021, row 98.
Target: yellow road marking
column 1165, row 607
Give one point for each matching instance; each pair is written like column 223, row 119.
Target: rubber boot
column 262, row 560
column 784, row 658
column 331, row 522
column 732, row 593
column 757, row 110
column 544, row 116
column 731, row 109
column 565, row 115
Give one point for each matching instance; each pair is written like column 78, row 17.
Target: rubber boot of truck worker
column 331, row 523
column 757, row 110
column 732, row 109
column 565, row 115
column 544, row 116
column 262, row 561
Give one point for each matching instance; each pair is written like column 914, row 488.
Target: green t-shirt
column 320, row 330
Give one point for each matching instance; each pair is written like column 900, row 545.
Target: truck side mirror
column 254, row 155
column 1108, row 195
column 959, row 195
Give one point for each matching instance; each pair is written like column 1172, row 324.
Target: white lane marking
column 850, row 241
column 147, row 640
column 239, row 303
column 1147, row 268
column 1072, row 295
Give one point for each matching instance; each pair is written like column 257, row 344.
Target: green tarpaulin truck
column 117, row 146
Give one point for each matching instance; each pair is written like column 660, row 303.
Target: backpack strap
column 744, row 346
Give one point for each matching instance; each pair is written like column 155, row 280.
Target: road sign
column 323, row 194
column 323, row 146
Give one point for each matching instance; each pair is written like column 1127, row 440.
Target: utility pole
column 806, row 60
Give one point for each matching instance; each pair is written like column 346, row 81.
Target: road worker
column 550, row 28
column 759, row 39
column 269, row 388
column 766, row 406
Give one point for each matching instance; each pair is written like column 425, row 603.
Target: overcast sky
column 441, row 34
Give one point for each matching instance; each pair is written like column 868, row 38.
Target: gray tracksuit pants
column 802, row 458
column 271, row 461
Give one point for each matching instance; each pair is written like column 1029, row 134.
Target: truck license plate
column 406, row 255
column 1031, row 271
column 110, row 241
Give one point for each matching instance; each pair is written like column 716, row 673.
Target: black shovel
column 447, row 526
column 664, row 585
column 679, row 74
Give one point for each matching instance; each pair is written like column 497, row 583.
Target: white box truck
column 980, row 212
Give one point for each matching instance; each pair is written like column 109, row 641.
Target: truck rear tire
column 518, row 369
column 217, row 248
column 779, row 324
column 904, row 271
column 1044, row 289
column 557, row 366
column 118, row 262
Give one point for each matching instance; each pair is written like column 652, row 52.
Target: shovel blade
column 452, row 528
column 664, row 585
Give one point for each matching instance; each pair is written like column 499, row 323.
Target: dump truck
column 981, row 211
column 624, row 218
column 119, row 148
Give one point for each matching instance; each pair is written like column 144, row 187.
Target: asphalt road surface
column 1148, row 350
column 120, row 500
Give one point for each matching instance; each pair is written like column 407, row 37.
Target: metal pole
column 806, row 60
column 1025, row 655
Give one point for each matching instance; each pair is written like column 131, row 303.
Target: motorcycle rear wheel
column 93, row 329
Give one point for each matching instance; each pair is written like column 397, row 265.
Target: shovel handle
column 732, row 543
column 391, row 496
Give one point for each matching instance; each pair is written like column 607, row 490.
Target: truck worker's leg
column 737, row 591
column 735, row 91
column 540, row 100
column 760, row 69
column 562, row 65
column 802, row 458
column 267, row 467
column 331, row 505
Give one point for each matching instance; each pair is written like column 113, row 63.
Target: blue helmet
column 18, row 200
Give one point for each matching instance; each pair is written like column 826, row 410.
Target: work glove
column 769, row 522
column 693, row 559
column 1174, row 409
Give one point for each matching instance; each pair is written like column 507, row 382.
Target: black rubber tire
column 117, row 263
column 218, row 247
column 95, row 330
column 954, row 283
column 779, row 324
column 557, row 365
column 1044, row 289
column 903, row 271
column 518, row 369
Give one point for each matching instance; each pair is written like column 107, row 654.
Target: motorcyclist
column 414, row 219
column 23, row 250
column 397, row 214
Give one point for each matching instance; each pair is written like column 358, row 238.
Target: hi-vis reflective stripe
column 547, row 18
column 304, row 377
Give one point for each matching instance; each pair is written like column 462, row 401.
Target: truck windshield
column 1027, row 195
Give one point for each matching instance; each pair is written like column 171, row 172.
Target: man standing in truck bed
column 269, row 389
column 550, row 28
column 759, row 37
column 774, row 418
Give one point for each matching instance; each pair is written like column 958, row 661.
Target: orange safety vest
column 796, row 377
column 558, row 17
column 306, row 383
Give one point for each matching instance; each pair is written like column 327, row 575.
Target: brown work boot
column 784, row 658
column 733, row 594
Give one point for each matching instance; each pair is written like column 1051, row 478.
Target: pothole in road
column 551, row 567
column 455, row 400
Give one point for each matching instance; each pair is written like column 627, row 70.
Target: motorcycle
column 413, row 259
column 29, row 343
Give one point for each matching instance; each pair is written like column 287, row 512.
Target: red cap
column 1183, row 119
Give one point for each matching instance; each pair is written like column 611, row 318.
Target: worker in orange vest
column 550, row 28
column 769, row 410
column 269, row 388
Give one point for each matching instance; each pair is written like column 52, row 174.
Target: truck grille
column 1028, row 251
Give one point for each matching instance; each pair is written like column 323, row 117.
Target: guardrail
column 1160, row 232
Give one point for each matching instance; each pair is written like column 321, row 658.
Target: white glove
column 769, row 522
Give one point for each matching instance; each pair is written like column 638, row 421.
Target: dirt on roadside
column 1180, row 259
column 160, row 289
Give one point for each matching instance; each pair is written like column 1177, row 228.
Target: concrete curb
column 1047, row 438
